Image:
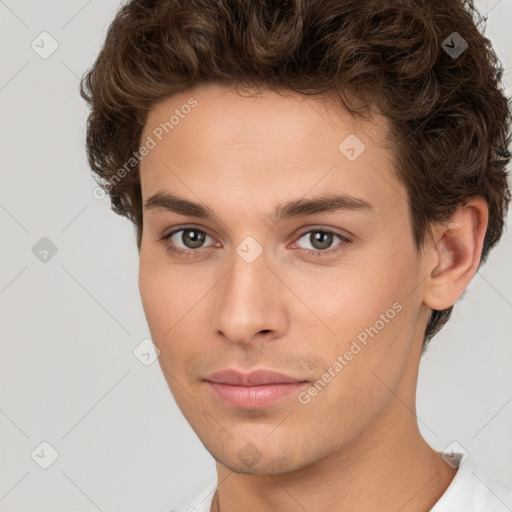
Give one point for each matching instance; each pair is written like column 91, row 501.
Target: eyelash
column 191, row 253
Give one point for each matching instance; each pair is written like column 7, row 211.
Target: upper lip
column 254, row 378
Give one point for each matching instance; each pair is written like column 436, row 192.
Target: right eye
column 190, row 237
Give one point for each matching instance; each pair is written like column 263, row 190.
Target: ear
column 453, row 254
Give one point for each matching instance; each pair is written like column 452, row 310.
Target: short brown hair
column 449, row 117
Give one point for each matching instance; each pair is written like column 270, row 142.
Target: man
column 313, row 185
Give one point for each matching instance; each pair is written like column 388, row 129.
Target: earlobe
column 456, row 248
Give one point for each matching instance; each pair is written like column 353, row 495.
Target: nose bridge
column 249, row 299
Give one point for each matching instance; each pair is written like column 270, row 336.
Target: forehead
column 255, row 115
column 211, row 142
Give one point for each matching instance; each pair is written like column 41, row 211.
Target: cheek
column 366, row 313
column 161, row 300
column 363, row 360
column 152, row 288
column 348, row 298
column 171, row 299
column 162, row 309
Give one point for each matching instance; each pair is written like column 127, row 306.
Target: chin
column 262, row 458
column 266, row 466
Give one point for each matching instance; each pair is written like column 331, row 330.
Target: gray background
column 70, row 325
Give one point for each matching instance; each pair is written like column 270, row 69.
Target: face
column 329, row 297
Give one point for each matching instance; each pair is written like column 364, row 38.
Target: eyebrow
column 296, row 208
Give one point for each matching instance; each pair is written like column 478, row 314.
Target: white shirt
column 471, row 490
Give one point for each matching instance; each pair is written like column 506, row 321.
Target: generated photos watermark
column 149, row 144
column 304, row 397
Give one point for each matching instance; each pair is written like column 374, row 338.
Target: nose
column 250, row 302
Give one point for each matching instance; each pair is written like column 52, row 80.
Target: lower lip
column 253, row 397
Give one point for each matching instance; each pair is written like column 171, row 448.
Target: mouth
column 254, row 390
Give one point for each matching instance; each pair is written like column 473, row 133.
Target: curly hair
column 449, row 117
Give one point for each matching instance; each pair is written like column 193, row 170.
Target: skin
column 356, row 445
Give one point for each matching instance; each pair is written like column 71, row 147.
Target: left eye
column 320, row 240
